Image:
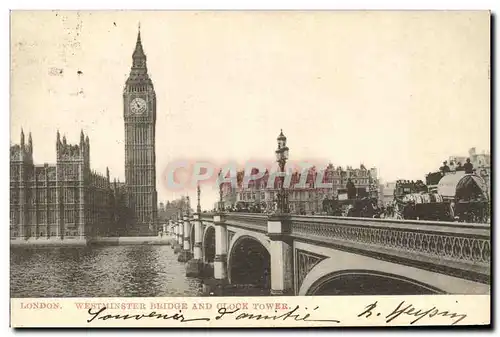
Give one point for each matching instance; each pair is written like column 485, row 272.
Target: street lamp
column 281, row 158
column 181, row 208
column 198, row 207
column 188, row 206
column 221, row 203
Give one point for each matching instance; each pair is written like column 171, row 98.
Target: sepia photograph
column 249, row 154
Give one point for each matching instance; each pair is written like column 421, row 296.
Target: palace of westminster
column 67, row 200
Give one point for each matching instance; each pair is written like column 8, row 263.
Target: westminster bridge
column 325, row 255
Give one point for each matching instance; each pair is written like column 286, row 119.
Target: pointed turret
column 30, row 143
column 22, row 137
column 58, row 142
column 64, row 140
column 82, row 138
column 107, row 173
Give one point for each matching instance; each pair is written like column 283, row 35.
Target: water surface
column 110, row 271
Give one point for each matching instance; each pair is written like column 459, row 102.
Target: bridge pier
column 185, row 254
column 195, row 265
column 216, row 284
column 281, row 247
column 173, row 230
column 220, row 261
column 171, row 234
column 179, row 237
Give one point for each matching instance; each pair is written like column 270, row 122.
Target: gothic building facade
column 66, row 200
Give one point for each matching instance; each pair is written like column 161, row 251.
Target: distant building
column 170, row 210
column 307, row 199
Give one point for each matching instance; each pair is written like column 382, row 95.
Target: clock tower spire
column 139, row 70
column 139, row 113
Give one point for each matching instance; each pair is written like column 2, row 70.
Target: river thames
column 109, row 271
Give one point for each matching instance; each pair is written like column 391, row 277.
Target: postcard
column 250, row 168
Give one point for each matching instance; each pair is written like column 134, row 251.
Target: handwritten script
column 177, row 316
column 222, row 313
column 292, row 314
column 297, row 314
column 404, row 309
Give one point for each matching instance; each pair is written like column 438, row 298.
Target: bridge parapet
column 209, row 217
column 458, row 249
column 257, row 222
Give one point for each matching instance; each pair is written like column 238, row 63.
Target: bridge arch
column 249, row 261
column 208, row 243
column 337, row 277
column 368, row 282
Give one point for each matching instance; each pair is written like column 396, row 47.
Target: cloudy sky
column 397, row 91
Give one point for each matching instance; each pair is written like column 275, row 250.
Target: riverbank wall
column 97, row 241
column 131, row 240
column 49, row 242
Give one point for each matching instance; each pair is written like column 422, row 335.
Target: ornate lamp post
column 198, row 207
column 281, row 158
column 221, row 203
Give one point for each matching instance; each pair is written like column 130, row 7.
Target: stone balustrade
column 456, row 249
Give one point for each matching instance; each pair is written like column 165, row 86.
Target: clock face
column 138, row 106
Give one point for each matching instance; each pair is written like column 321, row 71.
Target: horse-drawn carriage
column 458, row 197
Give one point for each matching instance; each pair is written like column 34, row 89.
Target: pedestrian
column 351, row 189
column 468, row 168
column 445, row 168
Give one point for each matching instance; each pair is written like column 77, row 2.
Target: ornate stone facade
column 65, row 200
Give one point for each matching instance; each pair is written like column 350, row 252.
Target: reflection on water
column 113, row 271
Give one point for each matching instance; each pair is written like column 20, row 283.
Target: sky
column 400, row 91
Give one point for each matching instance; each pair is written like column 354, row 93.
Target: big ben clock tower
column 139, row 113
